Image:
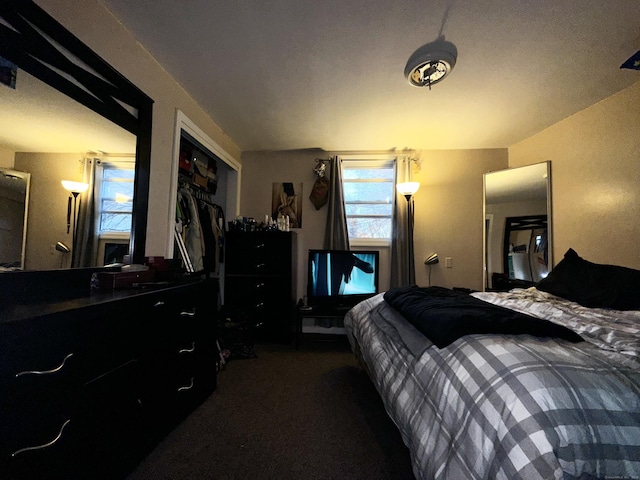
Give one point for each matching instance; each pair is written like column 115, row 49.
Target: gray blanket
column 493, row 406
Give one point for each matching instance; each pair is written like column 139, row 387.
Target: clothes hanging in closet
column 203, row 229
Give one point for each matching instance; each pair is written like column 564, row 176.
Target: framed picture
column 286, row 199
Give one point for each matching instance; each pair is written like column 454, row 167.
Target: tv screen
column 341, row 277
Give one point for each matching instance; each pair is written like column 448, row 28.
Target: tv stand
column 334, row 311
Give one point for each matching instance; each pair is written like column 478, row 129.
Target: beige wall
column 448, row 214
column 595, row 172
column 448, row 207
column 259, row 171
column 102, row 32
column 7, row 157
column 47, row 221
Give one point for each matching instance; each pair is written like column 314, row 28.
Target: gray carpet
column 306, row 414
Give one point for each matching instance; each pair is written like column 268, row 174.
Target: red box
column 117, row 280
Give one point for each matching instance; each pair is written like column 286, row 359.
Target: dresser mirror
column 14, row 201
column 517, row 235
column 62, row 104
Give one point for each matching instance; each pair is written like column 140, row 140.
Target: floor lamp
column 74, row 189
column 408, row 189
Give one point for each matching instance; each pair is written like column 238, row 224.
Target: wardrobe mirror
column 517, row 235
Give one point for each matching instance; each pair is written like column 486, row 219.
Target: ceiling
column 37, row 118
column 292, row 74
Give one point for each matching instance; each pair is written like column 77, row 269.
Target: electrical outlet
column 448, row 262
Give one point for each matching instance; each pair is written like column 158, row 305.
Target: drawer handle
column 159, row 303
column 188, row 350
column 46, row 372
column 186, row 387
column 259, row 285
column 261, row 265
column 259, row 245
column 260, row 305
column 44, row 445
column 188, row 313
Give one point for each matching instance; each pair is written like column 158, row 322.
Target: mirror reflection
column 50, row 137
column 14, row 195
column 517, row 237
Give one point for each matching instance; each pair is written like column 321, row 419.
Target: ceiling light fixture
column 431, row 63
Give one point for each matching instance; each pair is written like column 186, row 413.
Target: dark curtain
column 85, row 241
column 402, row 258
column 336, row 235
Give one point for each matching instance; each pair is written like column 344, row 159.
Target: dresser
column 260, row 282
column 88, row 386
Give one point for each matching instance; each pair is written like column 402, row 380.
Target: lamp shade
column 407, row 188
column 77, row 187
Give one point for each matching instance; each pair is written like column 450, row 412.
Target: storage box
column 117, row 280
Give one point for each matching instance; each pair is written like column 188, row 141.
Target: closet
column 200, row 219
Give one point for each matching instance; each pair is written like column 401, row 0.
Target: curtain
column 402, row 258
column 336, row 235
column 85, row 242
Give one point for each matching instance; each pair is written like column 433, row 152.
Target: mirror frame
column 549, row 216
column 38, row 44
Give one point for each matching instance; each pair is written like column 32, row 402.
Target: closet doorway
column 206, row 182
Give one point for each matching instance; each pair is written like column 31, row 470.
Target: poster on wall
column 286, row 199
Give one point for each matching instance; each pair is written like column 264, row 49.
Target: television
column 341, row 278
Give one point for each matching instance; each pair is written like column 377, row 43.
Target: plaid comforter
column 508, row 407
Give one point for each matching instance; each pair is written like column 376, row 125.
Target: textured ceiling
column 288, row 74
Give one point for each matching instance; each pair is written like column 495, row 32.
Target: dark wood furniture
column 89, row 385
column 259, row 281
column 327, row 312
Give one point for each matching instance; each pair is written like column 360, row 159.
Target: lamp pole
column 410, row 267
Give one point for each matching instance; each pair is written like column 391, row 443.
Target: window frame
column 120, row 163
column 371, row 161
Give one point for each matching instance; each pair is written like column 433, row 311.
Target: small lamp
column 75, row 189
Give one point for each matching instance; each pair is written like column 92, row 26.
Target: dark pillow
column 593, row 285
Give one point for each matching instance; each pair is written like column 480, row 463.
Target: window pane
column 369, row 227
column 113, row 206
column 368, row 192
column 118, row 174
column 367, row 173
column 115, row 222
column 110, row 189
column 116, row 202
column 368, row 209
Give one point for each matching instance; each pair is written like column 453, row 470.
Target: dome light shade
column 407, row 188
column 77, row 187
column 431, row 63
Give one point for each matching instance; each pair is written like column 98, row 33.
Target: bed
column 550, row 390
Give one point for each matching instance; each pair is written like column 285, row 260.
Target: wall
column 103, row 33
column 448, row 207
column 6, row 157
column 47, row 221
column 448, row 214
column 259, row 171
column 595, row 174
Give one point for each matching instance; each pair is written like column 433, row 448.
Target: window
column 369, row 194
column 115, row 201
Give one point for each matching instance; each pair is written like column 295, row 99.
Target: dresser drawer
column 258, row 253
